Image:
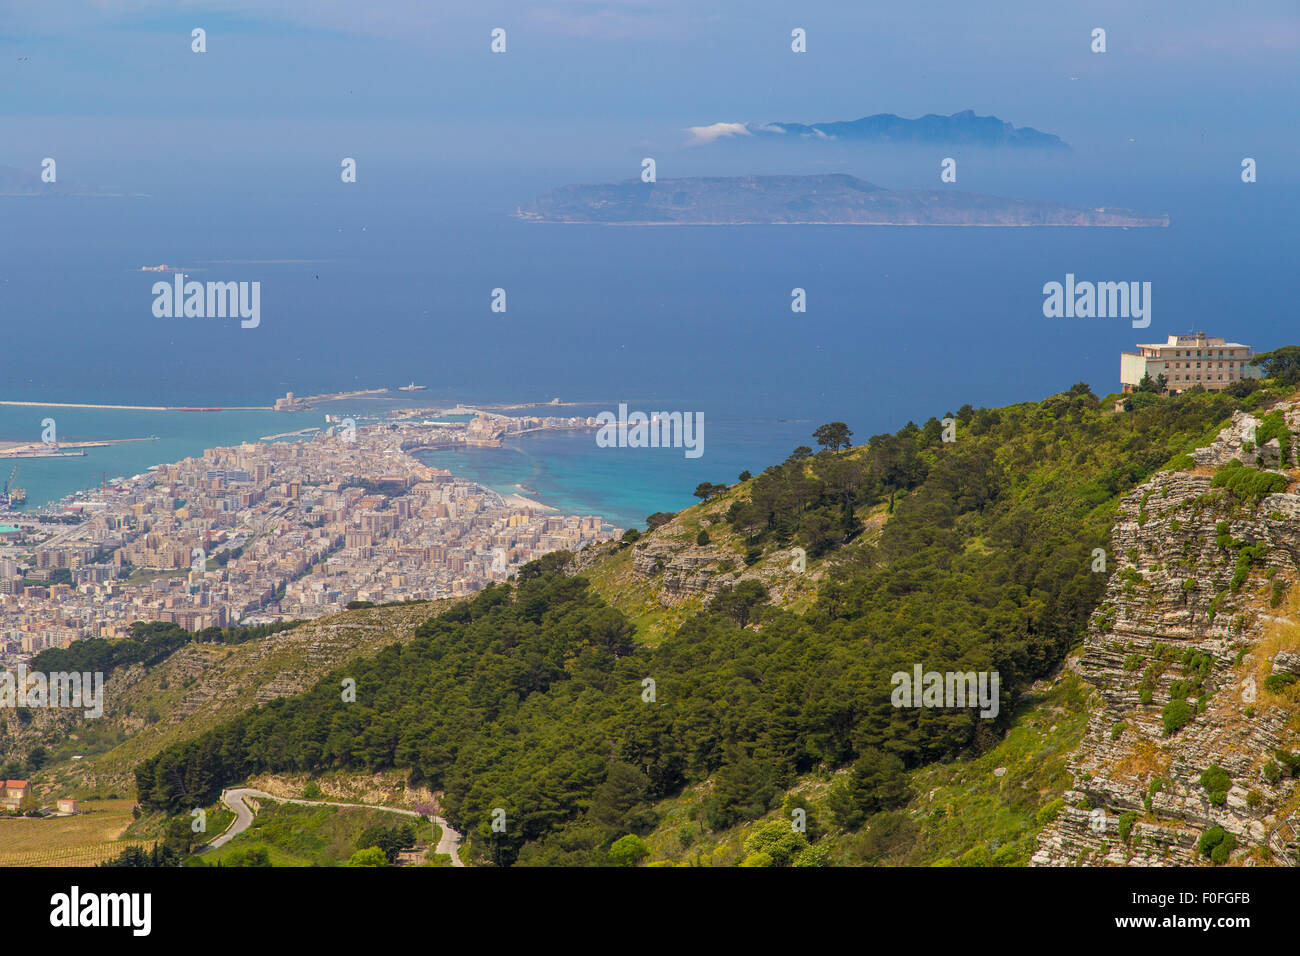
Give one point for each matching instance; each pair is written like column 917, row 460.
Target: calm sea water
column 377, row 287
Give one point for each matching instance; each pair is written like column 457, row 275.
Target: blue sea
column 385, row 283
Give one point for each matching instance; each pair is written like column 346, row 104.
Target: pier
column 62, row 449
column 144, row 408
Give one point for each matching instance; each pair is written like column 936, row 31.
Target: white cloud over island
column 716, row 131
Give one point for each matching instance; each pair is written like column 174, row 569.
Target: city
column 275, row 530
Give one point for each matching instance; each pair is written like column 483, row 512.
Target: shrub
column 1126, row 825
column 1217, row 844
column 1248, row 483
column 256, row 856
column 1276, row 683
column 1177, row 714
column 370, row 856
column 659, row 519
column 1214, row 605
column 1289, row 762
column 628, row 850
column 779, row 840
column 1246, row 557
column 816, row 855
column 1273, row 425
column 977, row 855
column 391, row 840
column 1006, row 855
column 1049, row 812
column 1216, row 782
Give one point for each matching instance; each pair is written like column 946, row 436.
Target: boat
column 412, row 388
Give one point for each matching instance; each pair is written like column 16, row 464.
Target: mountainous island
column 834, row 199
column 959, row 129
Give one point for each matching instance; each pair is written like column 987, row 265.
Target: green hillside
column 529, row 705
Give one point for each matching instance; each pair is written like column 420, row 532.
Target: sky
column 113, row 87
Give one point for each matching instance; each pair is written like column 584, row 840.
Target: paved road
column 234, row 798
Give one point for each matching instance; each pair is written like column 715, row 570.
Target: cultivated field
column 87, row 838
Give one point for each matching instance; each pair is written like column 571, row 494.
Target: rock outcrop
column 1194, row 611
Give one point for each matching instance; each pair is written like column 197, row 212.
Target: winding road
column 234, row 798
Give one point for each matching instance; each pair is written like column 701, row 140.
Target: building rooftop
column 1200, row 340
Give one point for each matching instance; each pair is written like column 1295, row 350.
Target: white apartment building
column 1187, row 361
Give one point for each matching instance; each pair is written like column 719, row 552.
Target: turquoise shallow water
column 179, row 434
column 569, row 471
column 564, row 469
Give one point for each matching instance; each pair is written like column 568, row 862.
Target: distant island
column 959, row 129
column 836, row 199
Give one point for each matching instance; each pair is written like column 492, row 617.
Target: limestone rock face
column 1171, row 627
column 685, row 570
column 682, row 570
column 1287, row 662
column 1230, row 442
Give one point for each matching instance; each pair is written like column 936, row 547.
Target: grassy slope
column 203, row 684
column 295, row 835
column 657, row 616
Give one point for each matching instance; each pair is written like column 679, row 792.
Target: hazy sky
column 115, row 80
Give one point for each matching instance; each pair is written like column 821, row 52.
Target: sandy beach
column 519, row 501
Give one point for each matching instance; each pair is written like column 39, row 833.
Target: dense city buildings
column 275, row 530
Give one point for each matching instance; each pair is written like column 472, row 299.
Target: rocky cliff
column 1194, row 650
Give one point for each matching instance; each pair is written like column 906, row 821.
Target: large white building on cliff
column 1187, row 361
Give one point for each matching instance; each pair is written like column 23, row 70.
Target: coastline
column 517, row 500
column 510, row 495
